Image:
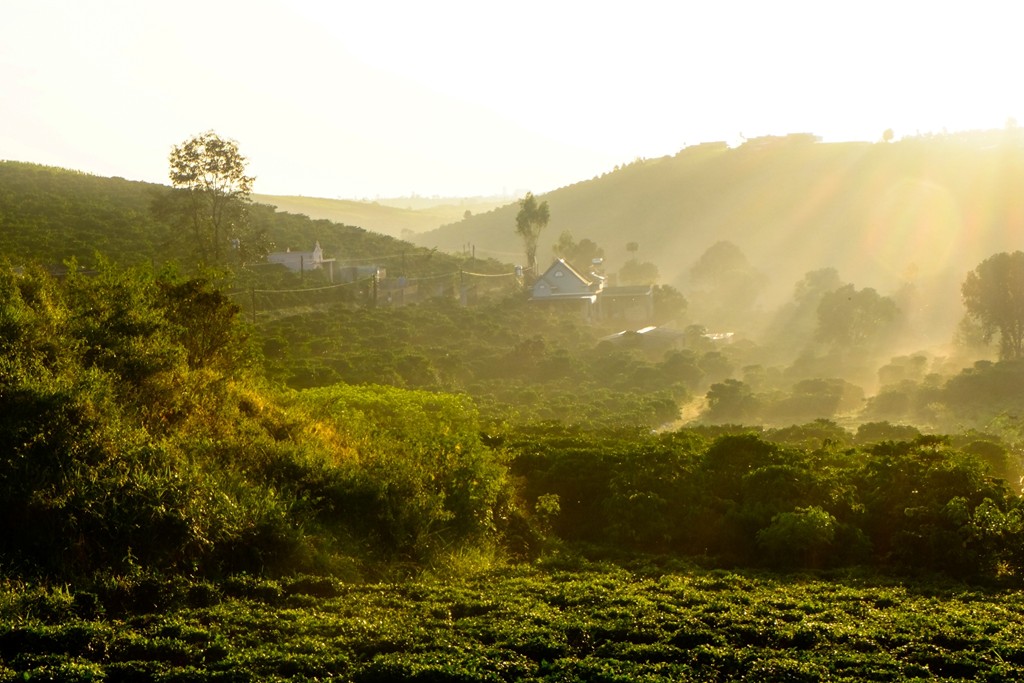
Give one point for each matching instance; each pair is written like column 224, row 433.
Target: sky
column 389, row 98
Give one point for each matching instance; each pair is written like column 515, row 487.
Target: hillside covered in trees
column 918, row 212
column 138, row 348
column 241, row 472
column 49, row 215
column 139, row 431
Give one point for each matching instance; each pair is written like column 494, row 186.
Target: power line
column 310, row 289
column 466, row 272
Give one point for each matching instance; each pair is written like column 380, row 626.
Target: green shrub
column 409, row 470
column 801, row 538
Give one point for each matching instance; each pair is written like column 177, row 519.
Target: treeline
column 797, row 498
column 137, row 432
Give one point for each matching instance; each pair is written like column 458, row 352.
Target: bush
column 409, row 470
column 802, row 538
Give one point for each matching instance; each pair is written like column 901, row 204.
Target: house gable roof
column 560, row 268
column 561, row 280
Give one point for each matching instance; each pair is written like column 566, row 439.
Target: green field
column 579, row 622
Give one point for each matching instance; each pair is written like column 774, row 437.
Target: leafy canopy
column 211, row 170
column 532, row 218
column 582, row 253
column 849, row 317
column 993, row 294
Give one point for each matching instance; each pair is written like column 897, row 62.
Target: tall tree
column 993, row 294
column 211, row 171
column 850, row 318
column 634, row 272
column 725, row 285
column 580, row 254
column 532, row 218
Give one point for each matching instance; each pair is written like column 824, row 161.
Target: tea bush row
column 541, row 623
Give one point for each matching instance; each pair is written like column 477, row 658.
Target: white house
column 562, row 281
column 301, row 261
column 566, row 285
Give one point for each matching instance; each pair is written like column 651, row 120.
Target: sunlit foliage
column 210, row 171
column 994, row 296
column 135, row 432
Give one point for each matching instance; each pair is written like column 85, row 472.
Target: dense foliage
column 49, row 215
column 136, row 430
column 521, row 363
column 559, row 622
column 809, row 497
column 133, row 431
column 199, row 482
column 518, row 361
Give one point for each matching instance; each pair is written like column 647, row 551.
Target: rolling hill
column 49, row 215
column 920, row 211
column 401, row 217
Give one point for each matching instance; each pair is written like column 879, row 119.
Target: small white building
column 301, row 261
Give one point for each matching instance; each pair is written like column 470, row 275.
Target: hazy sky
column 384, row 98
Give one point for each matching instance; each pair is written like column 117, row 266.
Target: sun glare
column 914, row 229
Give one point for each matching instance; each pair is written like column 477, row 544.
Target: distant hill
column 400, row 217
column 51, row 214
column 922, row 210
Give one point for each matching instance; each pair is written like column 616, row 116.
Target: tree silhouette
column 580, row 254
column 849, row 318
column 993, row 294
column 211, row 171
column 532, row 218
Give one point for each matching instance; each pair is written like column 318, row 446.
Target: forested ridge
column 48, row 215
column 166, row 445
column 923, row 209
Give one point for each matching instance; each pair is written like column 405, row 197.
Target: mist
column 816, row 260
